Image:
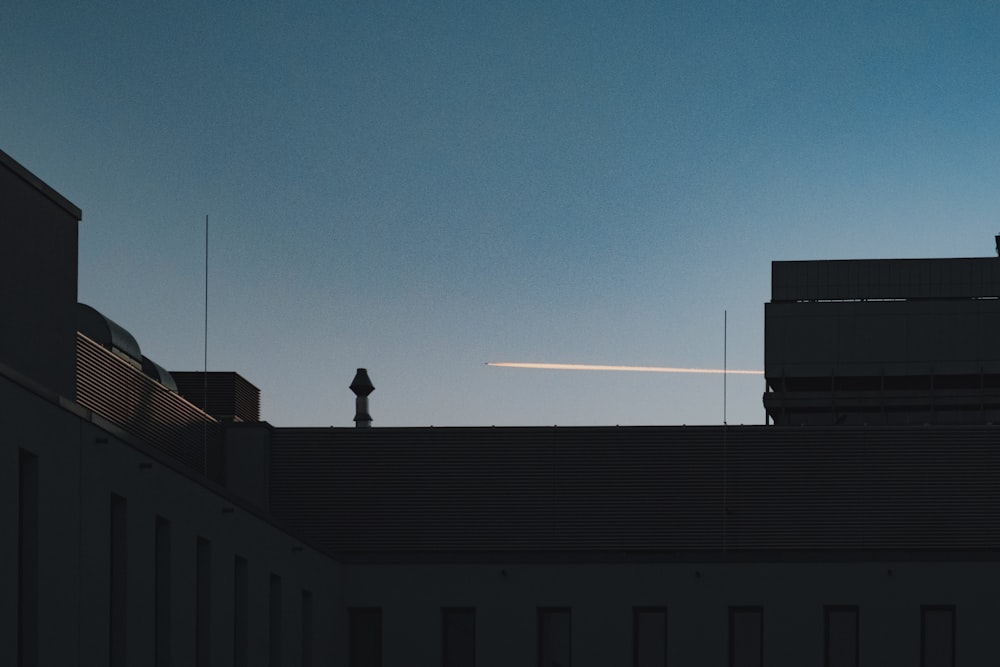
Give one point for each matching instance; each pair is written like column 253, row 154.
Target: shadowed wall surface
column 889, row 341
column 38, row 260
column 639, row 489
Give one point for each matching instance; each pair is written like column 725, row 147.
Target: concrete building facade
column 905, row 341
column 145, row 523
column 113, row 550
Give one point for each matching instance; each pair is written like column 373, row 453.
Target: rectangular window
column 274, row 622
column 203, row 604
column 27, row 559
column 241, row 612
column 649, row 636
column 554, row 637
column 458, row 637
column 161, row 593
column 365, row 636
column 746, row 636
column 937, row 636
column 307, row 628
column 117, row 581
column 840, row 636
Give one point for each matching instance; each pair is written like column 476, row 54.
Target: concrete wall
column 865, row 338
column 930, row 325
column 697, row 596
column 961, row 277
column 79, row 466
column 38, row 265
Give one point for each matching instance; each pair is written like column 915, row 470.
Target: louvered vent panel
column 230, row 396
column 139, row 405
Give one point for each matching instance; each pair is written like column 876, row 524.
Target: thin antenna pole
column 725, row 354
column 725, row 433
column 206, row 311
column 204, row 375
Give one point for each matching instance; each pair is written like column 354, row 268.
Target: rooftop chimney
column 362, row 386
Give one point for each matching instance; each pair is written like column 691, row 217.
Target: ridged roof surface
column 639, row 489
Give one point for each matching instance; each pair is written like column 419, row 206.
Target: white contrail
column 597, row 367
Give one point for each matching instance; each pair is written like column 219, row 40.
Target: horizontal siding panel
column 639, row 488
column 229, row 395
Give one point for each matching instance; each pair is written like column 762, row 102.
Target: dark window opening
column 161, row 593
column 908, row 382
column 937, row 636
column 860, row 383
column 203, row 603
column 746, row 637
column 649, row 637
column 27, row 559
column 554, row 637
column 241, row 612
column 365, row 636
column 458, row 637
column 840, row 636
column 823, row 384
column 274, row 622
column 118, row 582
column 307, row 628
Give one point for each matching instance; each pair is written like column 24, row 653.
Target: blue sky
column 422, row 187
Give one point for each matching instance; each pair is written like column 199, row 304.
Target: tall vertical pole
column 725, row 354
column 725, row 432
column 205, row 360
column 204, row 375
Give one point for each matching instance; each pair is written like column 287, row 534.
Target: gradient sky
column 422, row 187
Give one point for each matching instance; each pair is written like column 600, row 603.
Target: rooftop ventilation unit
column 108, row 334
column 362, row 386
column 230, row 396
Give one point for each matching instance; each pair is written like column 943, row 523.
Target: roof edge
column 860, row 260
column 40, row 185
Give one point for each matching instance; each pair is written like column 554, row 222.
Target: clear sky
column 422, row 187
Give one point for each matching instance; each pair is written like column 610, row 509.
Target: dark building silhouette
column 903, row 341
column 148, row 521
column 38, row 261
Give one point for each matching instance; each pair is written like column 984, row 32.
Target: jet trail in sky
column 641, row 369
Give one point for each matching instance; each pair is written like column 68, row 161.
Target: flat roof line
column 40, row 185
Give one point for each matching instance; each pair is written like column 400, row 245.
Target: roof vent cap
column 362, row 386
